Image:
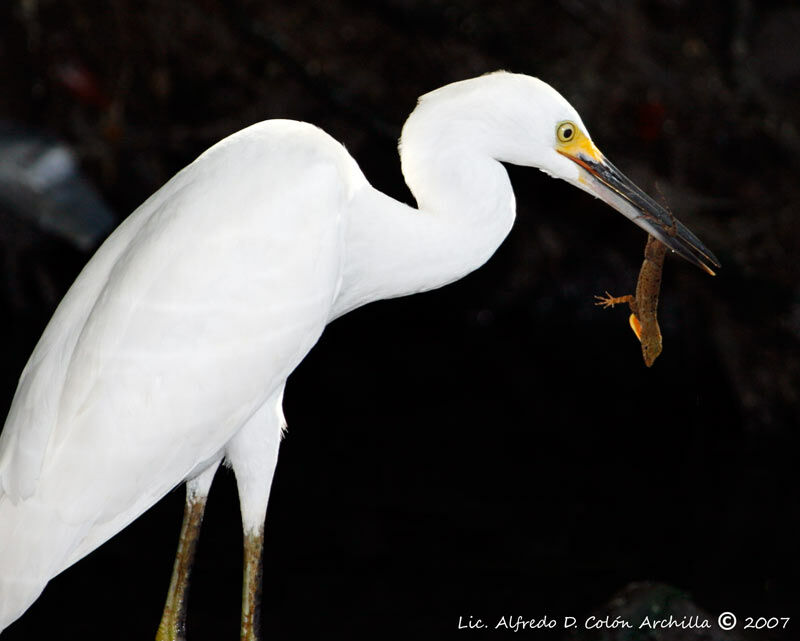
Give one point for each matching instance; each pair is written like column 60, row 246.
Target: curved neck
column 466, row 209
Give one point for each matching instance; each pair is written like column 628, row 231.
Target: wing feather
column 191, row 314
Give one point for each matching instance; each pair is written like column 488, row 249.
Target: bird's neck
column 466, row 209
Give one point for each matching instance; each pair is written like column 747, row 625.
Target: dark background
column 496, row 447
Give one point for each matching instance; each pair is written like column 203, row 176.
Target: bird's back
column 190, row 316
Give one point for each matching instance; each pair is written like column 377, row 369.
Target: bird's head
column 559, row 144
column 599, row 177
column 522, row 120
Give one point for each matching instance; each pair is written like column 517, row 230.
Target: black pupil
column 568, row 132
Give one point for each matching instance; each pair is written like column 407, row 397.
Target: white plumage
column 173, row 346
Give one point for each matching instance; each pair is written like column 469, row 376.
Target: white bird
column 170, row 352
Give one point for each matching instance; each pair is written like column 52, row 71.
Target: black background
column 496, row 447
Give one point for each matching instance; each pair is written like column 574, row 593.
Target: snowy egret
column 170, row 352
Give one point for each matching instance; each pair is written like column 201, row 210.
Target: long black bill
column 627, row 198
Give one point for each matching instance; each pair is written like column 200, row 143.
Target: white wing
column 188, row 318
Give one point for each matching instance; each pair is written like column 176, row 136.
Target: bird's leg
column 173, row 620
column 251, row 584
column 253, row 455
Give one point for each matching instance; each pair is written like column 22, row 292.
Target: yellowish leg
column 253, row 455
column 251, row 585
column 173, row 620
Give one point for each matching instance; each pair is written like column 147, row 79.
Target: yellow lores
column 644, row 305
column 576, row 145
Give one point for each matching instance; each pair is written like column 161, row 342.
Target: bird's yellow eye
column 566, row 131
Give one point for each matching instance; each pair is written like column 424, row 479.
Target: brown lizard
column 644, row 304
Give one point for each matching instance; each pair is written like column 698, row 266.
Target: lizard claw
column 609, row 301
